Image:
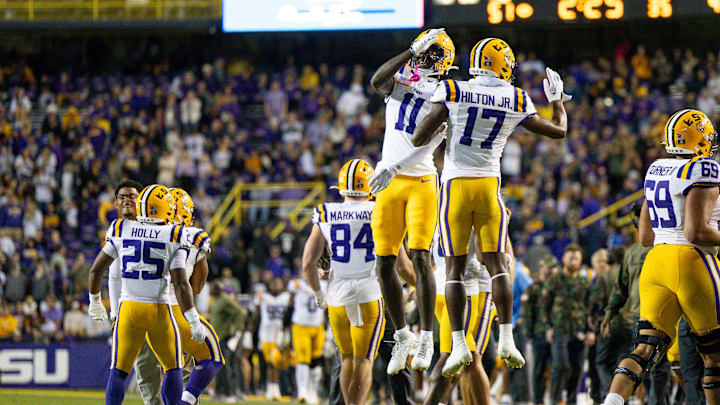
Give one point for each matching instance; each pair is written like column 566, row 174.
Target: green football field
column 67, row 397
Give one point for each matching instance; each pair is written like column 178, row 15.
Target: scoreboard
column 566, row 11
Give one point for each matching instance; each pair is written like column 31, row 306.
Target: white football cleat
column 459, row 356
column 423, row 353
column 400, row 352
column 510, row 355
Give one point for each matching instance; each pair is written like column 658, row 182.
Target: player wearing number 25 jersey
column 482, row 113
column 680, row 275
column 355, row 305
column 151, row 253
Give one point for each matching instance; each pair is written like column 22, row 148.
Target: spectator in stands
column 74, row 321
column 11, row 217
column 565, row 307
column 41, row 285
column 16, row 284
column 8, row 323
column 80, row 272
column 229, row 281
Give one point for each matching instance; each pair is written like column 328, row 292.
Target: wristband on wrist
column 192, row 315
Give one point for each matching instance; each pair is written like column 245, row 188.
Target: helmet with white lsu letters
column 185, row 207
column 439, row 57
column 690, row 132
column 493, row 57
column 156, row 205
column 354, row 178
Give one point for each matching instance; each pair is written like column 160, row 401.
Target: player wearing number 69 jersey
column 681, row 273
column 482, row 113
column 355, row 305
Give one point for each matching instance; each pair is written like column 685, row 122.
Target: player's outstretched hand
column 381, row 178
column 197, row 332
column 554, row 87
column 97, row 309
column 423, row 43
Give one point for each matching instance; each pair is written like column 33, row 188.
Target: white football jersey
column 272, row 311
column 305, row 310
column 667, row 182
column 406, row 106
column 483, row 112
column 146, row 253
column 198, row 238
column 347, row 231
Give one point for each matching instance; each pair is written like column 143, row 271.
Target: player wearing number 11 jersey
column 409, row 204
column 482, row 113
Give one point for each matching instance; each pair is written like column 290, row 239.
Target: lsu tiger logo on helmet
column 354, row 178
column 156, row 205
column 439, row 58
column 493, row 57
column 185, row 207
column 690, row 132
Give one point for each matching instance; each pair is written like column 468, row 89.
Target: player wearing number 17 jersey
column 355, row 305
column 152, row 252
column 409, row 203
column 681, row 273
column 482, row 113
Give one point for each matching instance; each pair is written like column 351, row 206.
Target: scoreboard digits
column 591, row 9
column 659, row 9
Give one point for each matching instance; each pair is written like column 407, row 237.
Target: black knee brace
column 711, row 372
column 708, row 343
column 660, row 346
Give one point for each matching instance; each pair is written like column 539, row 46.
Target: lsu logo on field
column 26, row 366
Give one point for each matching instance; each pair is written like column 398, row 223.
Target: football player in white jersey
column 152, row 252
column 478, row 317
column 308, row 337
column 681, row 273
column 481, row 114
column 269, row 312
column 409, row 204
column 354, row 301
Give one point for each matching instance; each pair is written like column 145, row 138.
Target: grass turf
column 69, row 397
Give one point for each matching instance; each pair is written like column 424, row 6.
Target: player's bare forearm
column 699, row 206
column 183, row 291
column 199, row 276
column 314, row 248
column 382, row 81
column 404, row 267
column 427, row 129
column 555, row 128
column 101, row 263
column 645, row 231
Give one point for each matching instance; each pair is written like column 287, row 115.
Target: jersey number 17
column 487, row 113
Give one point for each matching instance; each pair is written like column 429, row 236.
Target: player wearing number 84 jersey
column 482, row 113
column 355, row 305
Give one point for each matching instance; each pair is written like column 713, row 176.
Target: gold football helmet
column 493, row 57
column 156, row 205
column 354, row 178
column 690, row 132
column 185, row 207
column 442, row 54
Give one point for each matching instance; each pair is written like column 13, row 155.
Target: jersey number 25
column 144, row 248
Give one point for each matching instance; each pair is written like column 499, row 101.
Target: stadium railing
column 231, row 209
column 612, row 211
column 94, row 10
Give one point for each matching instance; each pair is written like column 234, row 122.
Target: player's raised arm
column 557, row 127
column 383, row 80
column 314, row 248
column 429, row 126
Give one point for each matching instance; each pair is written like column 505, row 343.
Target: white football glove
column 423, row 43
column 247, row 340
column 197, row 332
column 381, row 178
column 553, row 86
column 97, row 309
column 321, row 299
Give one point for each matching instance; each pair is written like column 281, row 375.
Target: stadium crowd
column 65, row 141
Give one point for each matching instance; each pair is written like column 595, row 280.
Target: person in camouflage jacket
column 565, row 306
column 534, row 328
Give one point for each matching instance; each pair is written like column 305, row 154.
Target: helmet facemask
column 428, row 61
